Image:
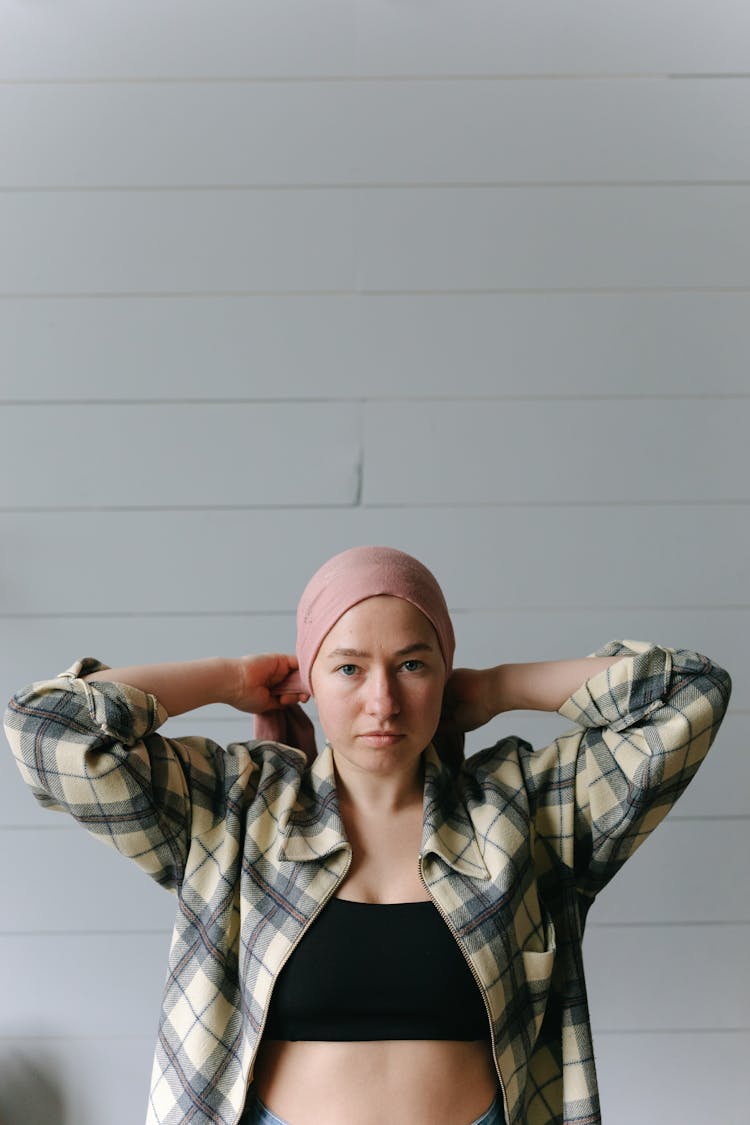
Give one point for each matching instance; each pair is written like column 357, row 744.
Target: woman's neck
column 372, row 795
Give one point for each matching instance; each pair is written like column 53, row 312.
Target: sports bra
column 377, row 971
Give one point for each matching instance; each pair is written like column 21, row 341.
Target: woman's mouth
column 380, row 738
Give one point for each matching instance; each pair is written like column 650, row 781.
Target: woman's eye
column 415, row 665
column 348, row 669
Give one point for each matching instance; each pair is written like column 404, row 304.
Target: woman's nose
column 382, row 699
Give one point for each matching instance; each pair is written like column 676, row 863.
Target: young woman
column 382, row 932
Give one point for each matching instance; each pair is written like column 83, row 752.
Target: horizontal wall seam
column 734, row 502
column 366, row 79
column 384, row 400
column 369, row 185
column 218, row 294
column 716, row 502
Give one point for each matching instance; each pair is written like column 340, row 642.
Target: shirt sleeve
column 90, row 748
column 643, row 727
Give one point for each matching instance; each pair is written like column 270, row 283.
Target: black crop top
column 377, row 971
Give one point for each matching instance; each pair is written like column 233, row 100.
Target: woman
column 381, row 932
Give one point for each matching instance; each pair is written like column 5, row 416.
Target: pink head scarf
column 346, row 579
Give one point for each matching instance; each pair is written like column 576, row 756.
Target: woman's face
column 378, row 684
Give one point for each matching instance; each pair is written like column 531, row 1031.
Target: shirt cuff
column 120, row 711
column 625, row 693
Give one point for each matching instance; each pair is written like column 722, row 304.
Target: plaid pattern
column 514, row 850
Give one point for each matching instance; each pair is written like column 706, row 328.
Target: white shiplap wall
column 470, row 279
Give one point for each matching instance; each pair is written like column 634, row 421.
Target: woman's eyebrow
column 420, row 646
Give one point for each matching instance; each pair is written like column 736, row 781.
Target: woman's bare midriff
column 403, row 1082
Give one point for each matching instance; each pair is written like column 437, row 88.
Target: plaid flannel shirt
column 514, row 850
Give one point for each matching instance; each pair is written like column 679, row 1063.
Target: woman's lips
column 379, row 738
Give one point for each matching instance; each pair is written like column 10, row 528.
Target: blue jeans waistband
column 257, row 1113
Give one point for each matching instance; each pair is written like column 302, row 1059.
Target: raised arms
column 243, row 682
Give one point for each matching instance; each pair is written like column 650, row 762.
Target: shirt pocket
column 537, row 969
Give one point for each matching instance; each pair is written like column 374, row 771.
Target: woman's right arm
column 243, row 682
column 86, row 743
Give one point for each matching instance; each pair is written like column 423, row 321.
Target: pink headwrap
column 343, row 581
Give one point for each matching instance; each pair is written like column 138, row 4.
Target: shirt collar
column 314, row 827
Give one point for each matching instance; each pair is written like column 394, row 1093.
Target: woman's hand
column 469, row 700
column 256, row 676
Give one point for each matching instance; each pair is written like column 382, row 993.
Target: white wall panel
column 569, row 238
column 317, row 346
column 492, row 637
column 205, row 455
column 40, row 647
column 406, row 239
column 552, row 451
column 651, row 978
column 690, row 1078
column 88, row 886
column 581, row 37
column 485, row 558
column 658, row 883
column 89, row 983
column 175, row 39
column 176, row 455
column 158, row 134
column 154, row 241
column 69, row 1081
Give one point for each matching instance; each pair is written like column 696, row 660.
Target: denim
column 257, row 1113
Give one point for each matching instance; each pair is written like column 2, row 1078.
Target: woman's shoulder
column 264, row 751
column 505, row 750
column 494, row 769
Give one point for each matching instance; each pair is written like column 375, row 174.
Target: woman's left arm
column 474, row 696
column 646, row 716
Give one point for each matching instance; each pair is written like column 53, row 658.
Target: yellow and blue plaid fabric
column 249, row 837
